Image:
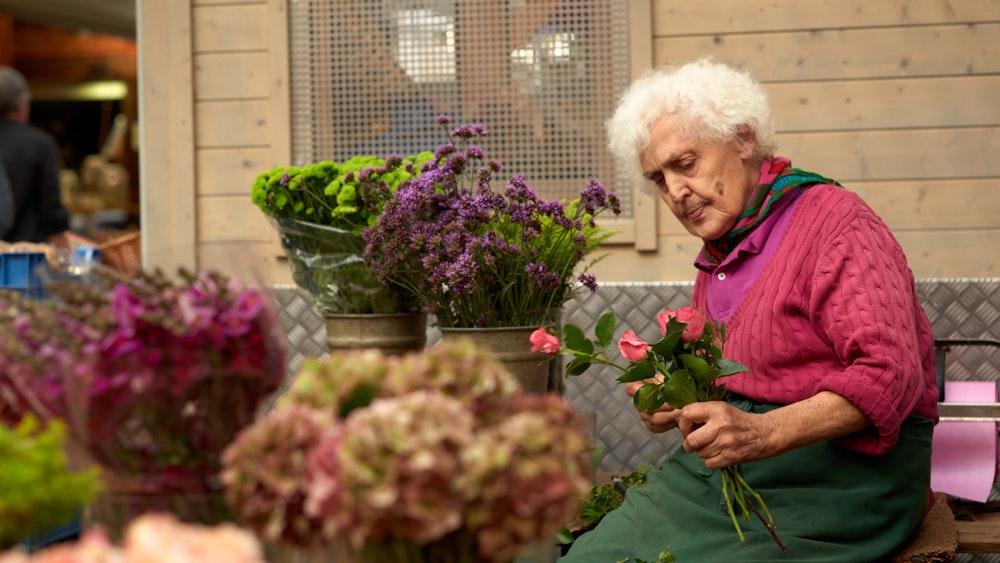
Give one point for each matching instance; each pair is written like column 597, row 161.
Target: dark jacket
column 31, row 158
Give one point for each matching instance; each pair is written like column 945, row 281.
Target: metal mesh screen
column 370, row 76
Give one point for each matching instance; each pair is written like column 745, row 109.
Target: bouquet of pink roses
column 682, row 368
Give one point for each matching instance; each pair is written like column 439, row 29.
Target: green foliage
column 348, row 195
column 320, row 210
column 664, row 557
column 605, row 498
column 37, row 490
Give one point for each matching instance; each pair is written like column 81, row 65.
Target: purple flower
column 477, row 256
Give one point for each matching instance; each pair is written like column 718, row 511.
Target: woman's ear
column 746, row 139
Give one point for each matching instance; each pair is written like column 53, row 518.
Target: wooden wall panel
column 232, row 124
column 236, row 27
column 224, row 2
column 230, row 171
column 743, row 16
column 886, row 104
column 231, row 76
column 944, row 50
column 934, row 205
column 897, row 154
column 948, row 254
column 231, row 218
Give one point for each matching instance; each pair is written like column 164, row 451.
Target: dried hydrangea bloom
column 388, row 471
column 264, row 474
column 524, row 477
column 339, row 382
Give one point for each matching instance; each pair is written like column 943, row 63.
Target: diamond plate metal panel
column 305, row 331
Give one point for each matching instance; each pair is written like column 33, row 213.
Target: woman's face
column 705, row 185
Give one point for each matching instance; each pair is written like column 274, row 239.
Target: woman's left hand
column 723, row 435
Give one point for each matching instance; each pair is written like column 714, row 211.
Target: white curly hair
column 711, row 100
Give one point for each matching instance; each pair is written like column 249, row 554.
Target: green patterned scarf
column 777, row 178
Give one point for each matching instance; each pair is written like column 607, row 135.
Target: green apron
column 829, row 504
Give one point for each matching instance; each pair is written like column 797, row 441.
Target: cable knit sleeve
column 862, row 303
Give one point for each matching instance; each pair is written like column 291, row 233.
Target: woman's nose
column 675, row 189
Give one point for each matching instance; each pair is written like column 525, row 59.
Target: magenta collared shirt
column 736, row 274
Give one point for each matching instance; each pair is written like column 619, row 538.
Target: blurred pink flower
column 544, row 341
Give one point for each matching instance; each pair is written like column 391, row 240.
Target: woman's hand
column 723, row 435
column 660, row 420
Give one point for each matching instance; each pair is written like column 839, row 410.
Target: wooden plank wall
column 897, row 99
column 216, row 76
column 241, row 128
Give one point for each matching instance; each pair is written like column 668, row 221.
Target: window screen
column 370, row 76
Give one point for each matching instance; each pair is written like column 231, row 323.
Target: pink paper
column 964, row 458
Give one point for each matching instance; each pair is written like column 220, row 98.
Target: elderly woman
column 832, row 424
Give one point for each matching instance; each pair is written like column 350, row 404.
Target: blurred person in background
column 31, row 159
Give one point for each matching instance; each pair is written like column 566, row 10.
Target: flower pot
column 393, row 334
column 511, row 347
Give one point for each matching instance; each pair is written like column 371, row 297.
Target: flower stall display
column 681, row 368
column 153, row 538
column 431, row 456
column 477, row 256
column 38, row 490
column 153, row 377
column 320, row 210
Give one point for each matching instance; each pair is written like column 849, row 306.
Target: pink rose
column 689, row 315
column 543, row 341
column 632, row 347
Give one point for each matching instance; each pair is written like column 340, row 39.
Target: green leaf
column 605, row 329
column 574, row 340
column 638, row 372
column 668, row 344
column 699, row 368
column 359, row 397
column 679, row 389
column 648, row 398
column 729, row 367
column 579, row 365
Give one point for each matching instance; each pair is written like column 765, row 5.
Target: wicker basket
column 123, row 254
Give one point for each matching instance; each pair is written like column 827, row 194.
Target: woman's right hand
column 660, row 420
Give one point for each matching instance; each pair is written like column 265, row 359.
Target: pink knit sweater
column 835, row 310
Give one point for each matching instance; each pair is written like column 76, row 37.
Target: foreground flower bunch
column 152, row 538
column 681, row 368
column 38, row 491
column 153, row 376
column 476, row 256
column 432, row 450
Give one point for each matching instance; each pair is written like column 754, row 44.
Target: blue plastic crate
column 20, row 271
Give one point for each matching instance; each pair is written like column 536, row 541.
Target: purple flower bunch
column 153, row 376
column 440, row 447
column 479, row 257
